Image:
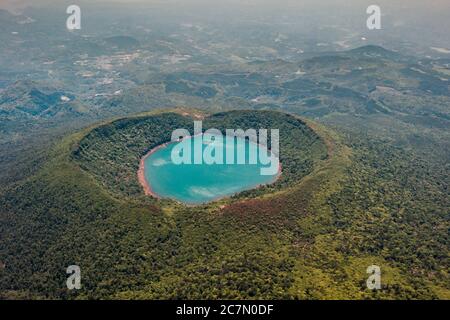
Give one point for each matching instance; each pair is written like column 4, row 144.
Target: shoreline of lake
column 150, row 192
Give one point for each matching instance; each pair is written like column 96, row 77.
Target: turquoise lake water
column 202, row 183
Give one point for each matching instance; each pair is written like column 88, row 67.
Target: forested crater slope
column 111, row 152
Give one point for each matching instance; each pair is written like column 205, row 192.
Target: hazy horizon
column 416, row 21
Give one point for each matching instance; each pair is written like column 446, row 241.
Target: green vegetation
column 112, row 151
column 378, row 194
column 311, row 238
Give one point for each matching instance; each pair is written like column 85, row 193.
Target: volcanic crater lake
column 201, row 183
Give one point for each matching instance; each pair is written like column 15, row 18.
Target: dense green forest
column 347, row 203
column 364, row 117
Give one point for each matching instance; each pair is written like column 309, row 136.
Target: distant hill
column 374, row 51
column 30, row 98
